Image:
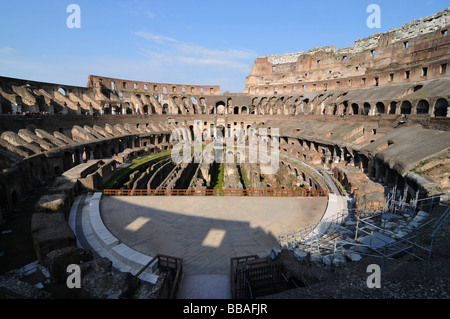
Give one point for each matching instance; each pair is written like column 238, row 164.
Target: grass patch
column 217, row 174
column 134, row 165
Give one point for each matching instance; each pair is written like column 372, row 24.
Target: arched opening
column 334, row 106
column 406, row 107
column 202, row 105
column 42, row 107
column 441, row 108
column 220, row 106
column 6, row 107
column 220, row 132
column 145, row 109
column 423, row 107
column 355, row 108
column 366, row 109
column 345, row 107
column 417, row 88
column 165, row 108
column 236, row 110
column 107, row 110
column 380, row 108
column 191, row 129
column 244, row 110
column 62, row 91
column 393, row 107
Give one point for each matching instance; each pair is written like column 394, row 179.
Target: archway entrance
column 441, row 108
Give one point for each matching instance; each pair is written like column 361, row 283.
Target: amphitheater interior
column 366, row 127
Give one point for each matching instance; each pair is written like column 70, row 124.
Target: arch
column 441, row 108
column 236, row 110
column 335, row 109
column 62, row 91
column 6, row 106
column 417, row 87
column 380, row 108
column 244, row 110
column 355, row 108
column 107, row 109
column 220, row 107
column 191, row 131
column 406, row 107
column 344, row 108
column 220, row 132
column 165, row 108
column 423, row 107
column 392, row 107
column 202, row 105
column 366, row 109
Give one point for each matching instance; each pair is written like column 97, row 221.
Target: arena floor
column 207, row 231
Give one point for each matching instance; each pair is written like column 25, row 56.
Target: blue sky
column 182, row 42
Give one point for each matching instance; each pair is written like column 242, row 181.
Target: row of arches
column 425, row 107
column 300, row 105
column 221, row 109
column 33, row 171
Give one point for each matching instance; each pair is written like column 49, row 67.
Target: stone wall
column 419, row 48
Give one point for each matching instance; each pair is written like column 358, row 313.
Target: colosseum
column 352, row 169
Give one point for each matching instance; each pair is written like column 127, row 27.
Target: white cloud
column 155, row 38
column 7, row 50
column 150, row 14
column 174, row 51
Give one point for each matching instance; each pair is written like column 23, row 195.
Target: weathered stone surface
column 100, row 281
column 147, row 291
column 274, row 253
column 61, row 258
column 56, row 203
column 316, row 258
column 300, row 254
column 339, row 260
column 50, row 232
column 13, row 288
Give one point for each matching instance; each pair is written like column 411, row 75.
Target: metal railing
column 215, row 192
column 167, row 263
column 235, row 262
column 438, row 225
column 312, row 232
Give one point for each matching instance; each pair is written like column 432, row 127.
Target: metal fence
column 216, row 192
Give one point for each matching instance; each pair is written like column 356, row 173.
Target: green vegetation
column 134, row 165
column 417, row 171
column 241, row 176
column 217, row 174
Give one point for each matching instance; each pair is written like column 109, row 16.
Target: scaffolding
column 385, row 233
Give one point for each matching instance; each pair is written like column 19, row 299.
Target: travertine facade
column 417, row 51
